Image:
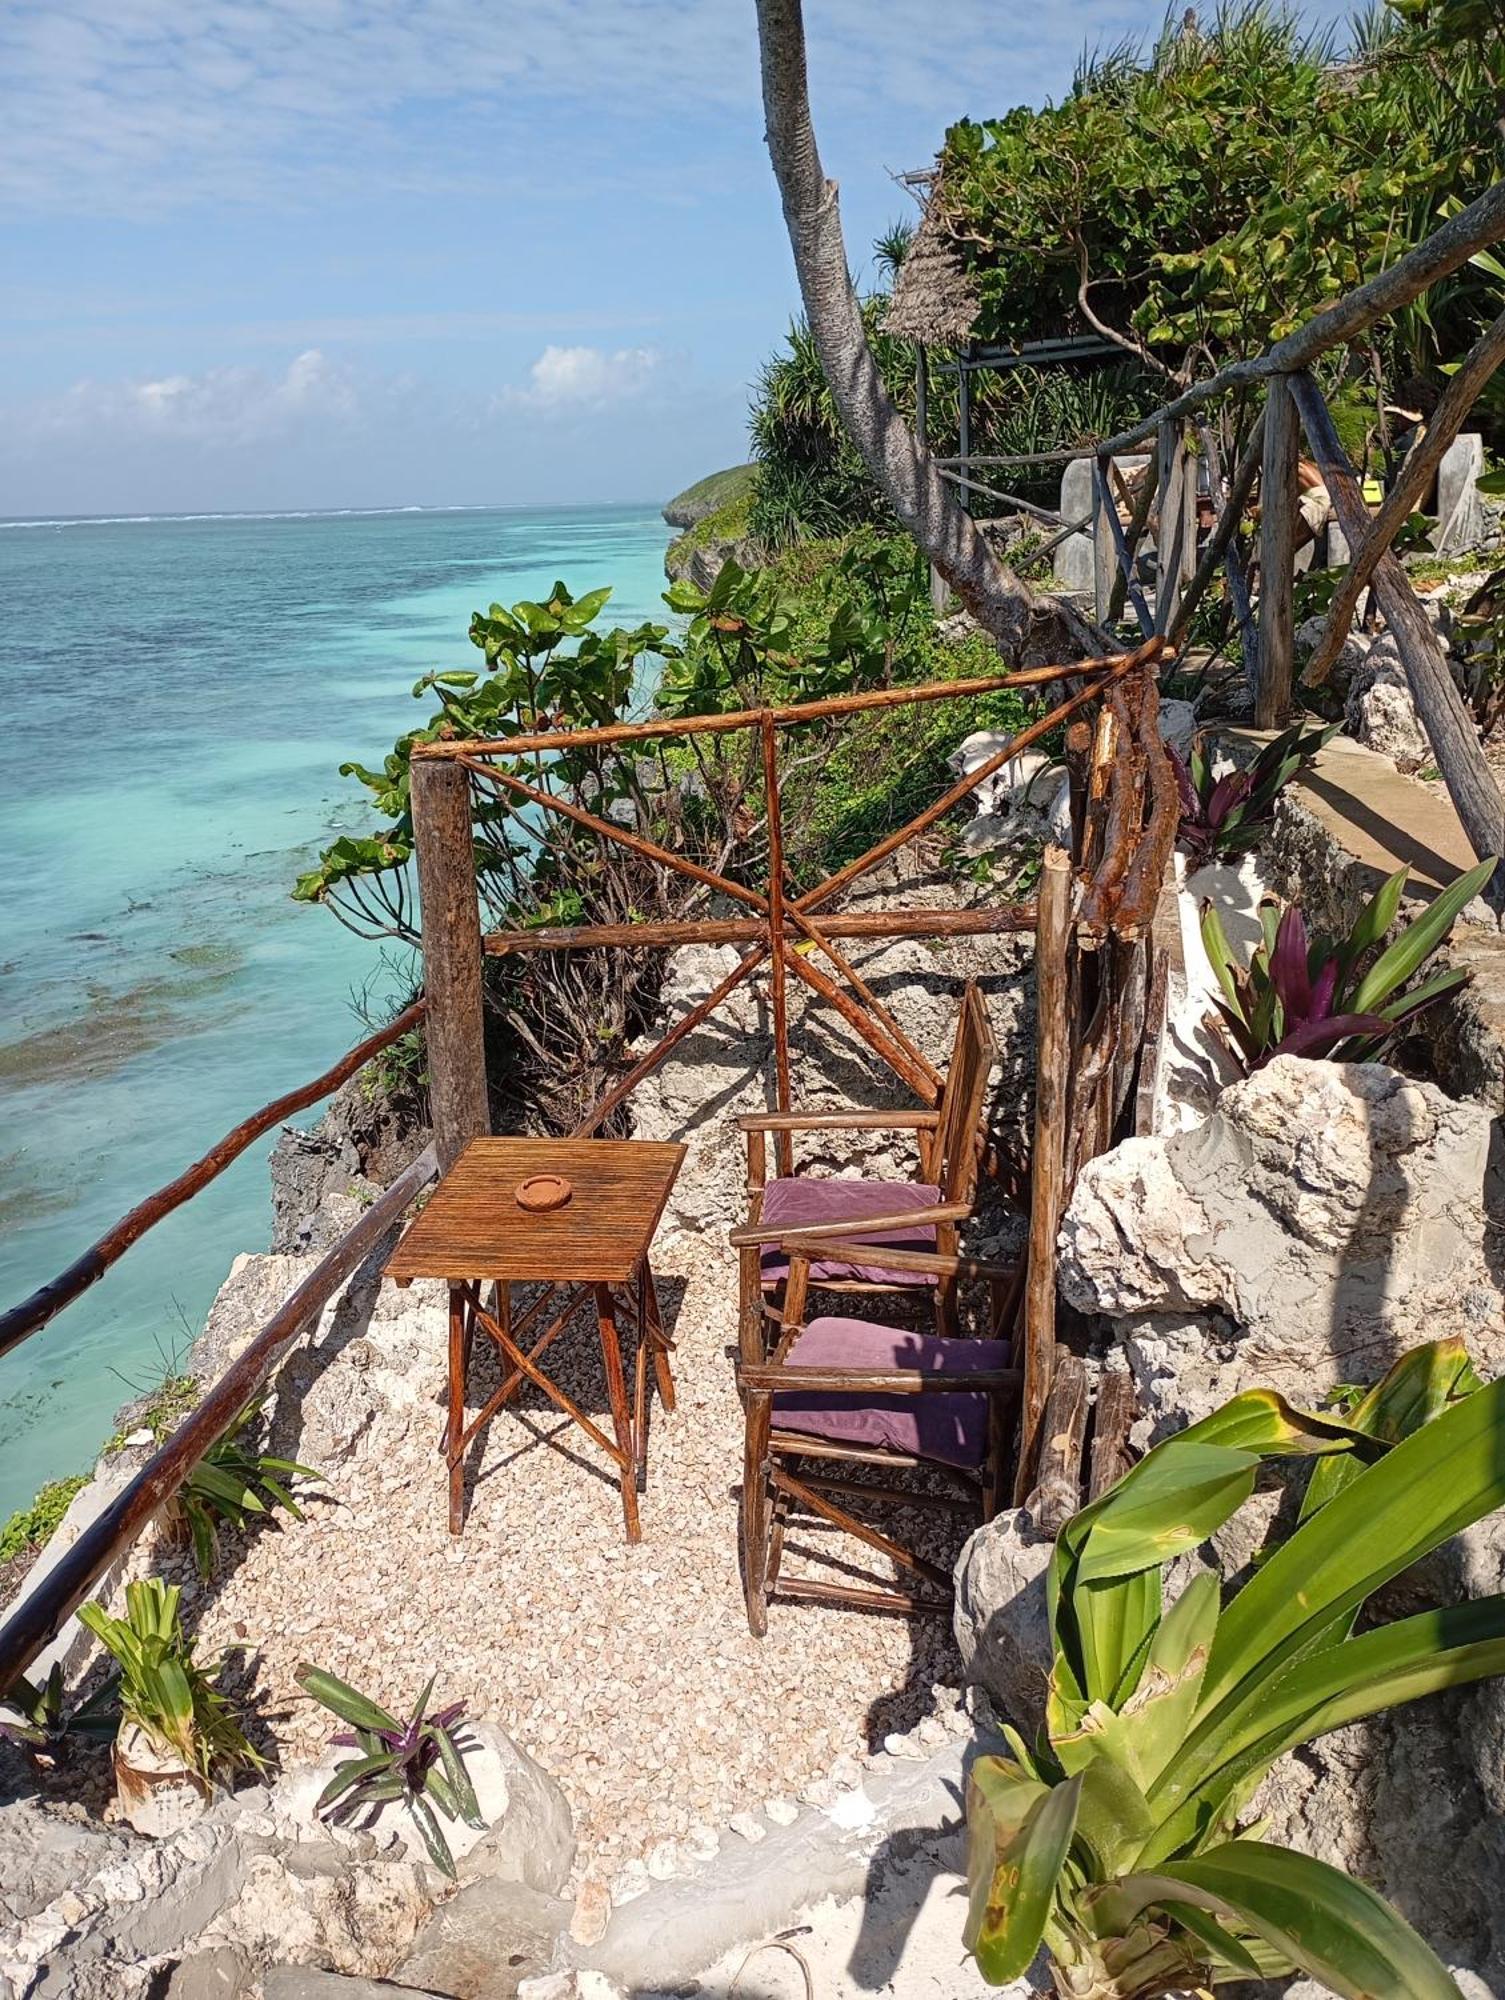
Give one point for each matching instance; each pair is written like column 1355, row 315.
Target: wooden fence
column 1127, row 814
column 1294, row 405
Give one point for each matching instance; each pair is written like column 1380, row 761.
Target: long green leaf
column 1382, row 1669
column 351, row 1772
column 1010, row 1903
column 343, row 1700
column 1439, row 1480
column 1418, row 940
column 1419, row 1387
column 1334, row 1928
column 433, row 1835
column 1374, row 922
column 467, row 1804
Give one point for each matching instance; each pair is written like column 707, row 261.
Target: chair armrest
column 838, row 1121
column 822, row 1241
column 879, row 1381
column 950, row 1211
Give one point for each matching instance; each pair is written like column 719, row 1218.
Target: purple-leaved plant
column 417, row 1763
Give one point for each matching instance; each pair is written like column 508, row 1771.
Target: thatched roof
column 935, row 301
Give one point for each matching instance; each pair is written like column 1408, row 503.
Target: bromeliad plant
column 39, row 1719
column 1116, row 1842
column 417, row 1763
column 1223, row 817
column 235, row 1484
column 164, row 1690
column 1303, row 996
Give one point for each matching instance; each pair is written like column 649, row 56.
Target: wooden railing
column 40, row 1612
column 1294, row 404
column 48, row 1300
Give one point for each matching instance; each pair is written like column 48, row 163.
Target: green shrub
column 1117, row 1839
column 31, row 1526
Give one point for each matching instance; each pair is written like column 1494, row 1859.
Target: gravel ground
column 628, row 1672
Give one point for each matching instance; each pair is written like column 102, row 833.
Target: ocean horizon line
column 19, row 521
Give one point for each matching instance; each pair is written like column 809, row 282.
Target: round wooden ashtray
column 541, row 1192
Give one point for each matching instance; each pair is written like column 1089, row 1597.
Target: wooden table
column 473, row 1233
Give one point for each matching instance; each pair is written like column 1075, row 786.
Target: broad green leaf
column 466, row 1804
column 433, row 1836
column 1419, row 1387
column 1445, row 1476
column 1220, row 957
column 350, row 1773
column 1332, row 1927
column 343, row 1700
column 1184, row 1496
column 1010, row 1901
column 1418, row 940
column 1382, row 1669
column 1374, row 922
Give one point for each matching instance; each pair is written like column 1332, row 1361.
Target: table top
column 472, row 1226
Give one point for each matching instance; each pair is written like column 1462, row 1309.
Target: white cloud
column 232, row 406
column 141, row 105
column 565, row 378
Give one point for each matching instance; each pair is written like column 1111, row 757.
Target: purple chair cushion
column 801, row 1204
column 952, row 1429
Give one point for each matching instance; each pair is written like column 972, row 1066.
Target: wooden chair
column 854, row 1393
column 881, row 1215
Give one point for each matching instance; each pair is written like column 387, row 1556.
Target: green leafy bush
column 1116, row 1840
column 1212, row 193
column 164, row 1690
column 31, row 1526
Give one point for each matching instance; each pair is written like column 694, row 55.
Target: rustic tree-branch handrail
column 49, row 1300
column 1415, row 476
column 41, row 1611
column 598, row 735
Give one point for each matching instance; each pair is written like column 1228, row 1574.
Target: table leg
column 459, row 1354
column 651, row 1326
column 616, row 1389
column 640, row 1404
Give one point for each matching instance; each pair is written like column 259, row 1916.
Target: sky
column 262, row 254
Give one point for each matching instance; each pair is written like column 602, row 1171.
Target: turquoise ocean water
column 177, row 695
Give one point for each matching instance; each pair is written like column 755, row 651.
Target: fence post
column 1105, row 563
column 451, row 921
column 1048, row 1158
column 1277, row 556
column 1172, row 471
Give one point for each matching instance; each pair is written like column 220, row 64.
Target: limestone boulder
column 527, row 1834
column 999, row 1617
column 1324, row 1219
column 1378, row 709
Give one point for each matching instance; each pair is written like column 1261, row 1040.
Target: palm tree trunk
column 1028, row 627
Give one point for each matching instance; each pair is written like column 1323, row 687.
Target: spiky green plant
column 164, row 1690
column 1222, row 817
column 40, row 1720
column 1116, row 1842
column 418, row 1763
column 236, row 1484
column 1344, row 997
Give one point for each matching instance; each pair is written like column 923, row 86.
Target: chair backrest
column 959, row 1138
